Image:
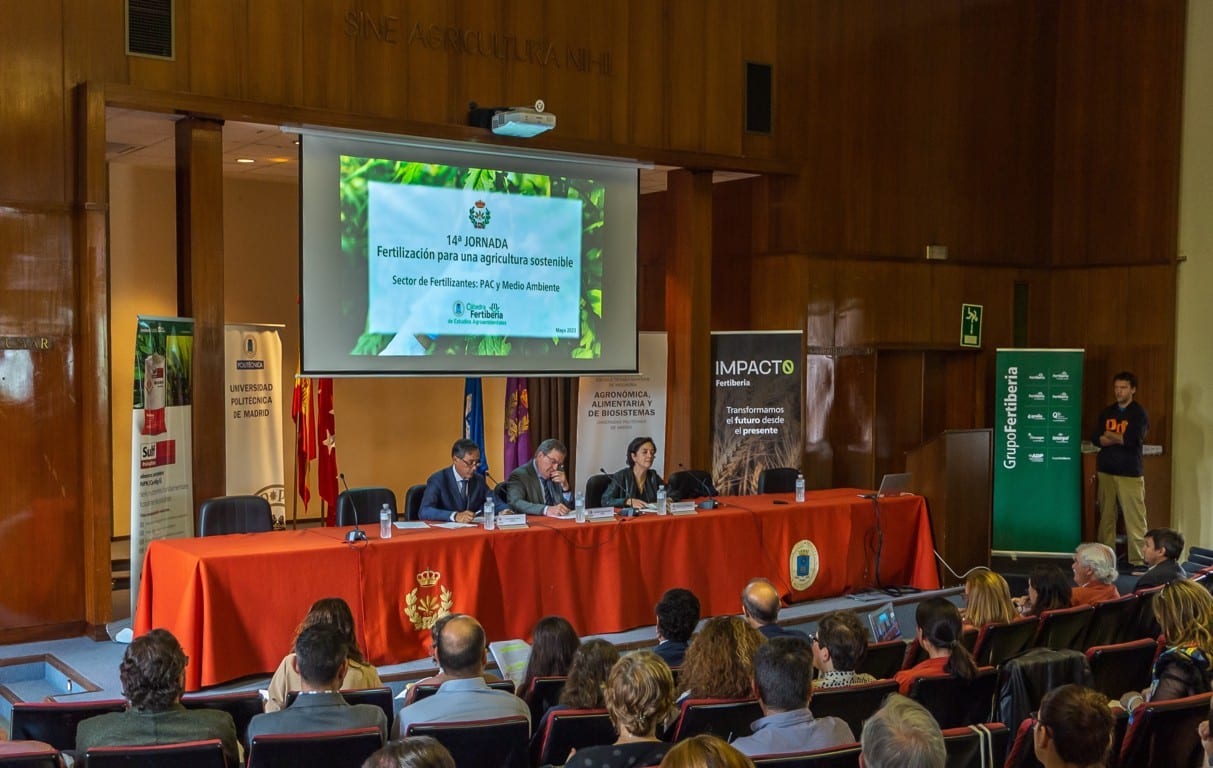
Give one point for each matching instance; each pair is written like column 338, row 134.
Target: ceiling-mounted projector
column 523, row 122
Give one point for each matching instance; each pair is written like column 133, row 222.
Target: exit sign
column 970, row 325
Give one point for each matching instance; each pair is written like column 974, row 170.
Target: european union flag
column 473, row 418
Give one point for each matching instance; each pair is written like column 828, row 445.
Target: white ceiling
column 145, row 139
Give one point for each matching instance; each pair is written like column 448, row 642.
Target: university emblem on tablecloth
column 429, row 600
column 803, row 563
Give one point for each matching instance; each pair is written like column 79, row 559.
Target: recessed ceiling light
column 245, row 160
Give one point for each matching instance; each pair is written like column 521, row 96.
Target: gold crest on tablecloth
column 429, row 601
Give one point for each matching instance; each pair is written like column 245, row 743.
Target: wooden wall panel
column 214, row 31
column 645, row 86
column 32, row 104
column 853, row 420
column 275, row 52
column 898, row 415
column 1119, row 111
column 732, row 243
column 652, row 255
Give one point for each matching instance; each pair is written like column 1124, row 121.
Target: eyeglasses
column 812, row 638
column 471, row 464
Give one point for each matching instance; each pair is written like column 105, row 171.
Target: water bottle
column 385, row 522
column 580, row 506
column 490, row 514
column 799, row 487
column 661, row 499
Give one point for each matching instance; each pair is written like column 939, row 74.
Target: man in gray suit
column 320, row 660
column 540, row 486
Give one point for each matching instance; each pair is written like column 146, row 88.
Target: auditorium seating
column 955, row 702
column 1143, row 623
column 976, row 746
column 365, row 504
column 242, row 706
column 28, row 754
column 1024, row 680
column 834, row 757
column 189, row 754
column 883, row 659
column 852, row 704
column 379, row 697
column 999, row 642
column 544, row 694
column 569, row 729
column 777, row 480
column 594, row 488
column 498, row 743
column 55, row 723
column 412, row 502
column 328, row 749
column 1116, row 669
column 726, row 718
column 1163, row 733
column 1110, row 621
column 422, row 691
column 234, row 514
column 1064, row 628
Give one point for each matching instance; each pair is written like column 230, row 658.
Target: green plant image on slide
column 358, row 172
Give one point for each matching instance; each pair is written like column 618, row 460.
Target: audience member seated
column 939, row 630
column 760, row 606
column 783, row 673
column 456, row 493
column 677, row 617
column 465, row 695
column 1185, row 613
column 1048, row 590
column 553, row 643
column 987, row 600
column 639, row 696
column 902, row 734
column 705, row 751
column 636, row 484
column 413, row 752
column 320, row 662
column 720, row 660
column 838, row 647
column 333, row 612
column 540, row 486
column 1073, row 728
column 1206, row 736
column 1161, row 549
column 410, row 689
column 1095, row 574
column 584, row 688
column 152, row 673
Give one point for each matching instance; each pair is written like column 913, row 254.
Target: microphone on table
column 357, row 534
column 625, row 510
column 710, row 502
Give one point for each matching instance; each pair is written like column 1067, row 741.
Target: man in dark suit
column 1161, row 549
column 677, row 616
column 320, row 659
column 540, row 486
column 760, row 607
column 457, row 492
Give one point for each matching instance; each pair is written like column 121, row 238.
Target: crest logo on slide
column 479, row 215
column 458, row 309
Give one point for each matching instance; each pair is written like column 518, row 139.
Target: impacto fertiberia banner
column 612, row 410
column 756, row 406
column 162, row 475
column 1037, row 462
column 252, row 364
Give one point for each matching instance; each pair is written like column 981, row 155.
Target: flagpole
column 295, row 495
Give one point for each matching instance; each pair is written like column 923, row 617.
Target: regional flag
column 303, row 414
column 326, row 467
column 517, row 424
column 473, row 418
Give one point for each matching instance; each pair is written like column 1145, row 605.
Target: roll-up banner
column 1037, row 462
column 757, row 397
column 611, row 410
column 252, row 364
column 162, row 475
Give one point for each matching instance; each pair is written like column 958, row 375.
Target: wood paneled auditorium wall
column 988, row 126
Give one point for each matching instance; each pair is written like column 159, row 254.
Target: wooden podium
column 954, row 471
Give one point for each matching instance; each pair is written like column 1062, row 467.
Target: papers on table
column 410, row 525
column 453, row 525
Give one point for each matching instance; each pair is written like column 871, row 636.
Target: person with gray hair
column 540, row 487
column 902, row 734
column 1095, row 574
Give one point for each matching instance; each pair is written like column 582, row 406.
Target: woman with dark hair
column 413, row 752
column 639, row 696
column 720, row 660
column 1073, row 728
column 553, row 643
column 333, row 612
column 939, row 631
column 587, row 677
column 636, row 484
column 1048, row 589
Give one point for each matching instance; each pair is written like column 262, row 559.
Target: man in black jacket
column 1161, row 550
column 1119, row 434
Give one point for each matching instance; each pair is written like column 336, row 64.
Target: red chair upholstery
column 55, row 723
column 1163, row 733
column 424, row 691
column 998, row 642
column 976, row 745
column 1063, row 629
column 1123, row 667
column 380, row 697
column 187, row 754
column 883, row 659
column 28, row 754
column 954, row 702
column 544, row 694
column 1110, row 620
column 497, row 743
column 852, row 704
column 569, row 729
column 1023, row 748
column 834, row 757
column 326, row 749
column 726, row 718
column 241, row 706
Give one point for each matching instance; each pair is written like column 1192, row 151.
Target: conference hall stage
column 234, row 601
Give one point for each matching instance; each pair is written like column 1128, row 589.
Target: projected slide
column 471, row 261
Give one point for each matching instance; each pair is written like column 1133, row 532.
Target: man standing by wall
column 1120, row 432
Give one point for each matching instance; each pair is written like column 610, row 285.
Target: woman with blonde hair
column 639, row 696
column 719, row 663
column 987, row 600
column 705, row 751
column 333, row 612
column 1185, row 667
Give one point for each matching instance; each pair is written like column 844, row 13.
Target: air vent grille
column 149, row 28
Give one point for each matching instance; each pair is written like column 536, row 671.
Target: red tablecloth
column 234, row 601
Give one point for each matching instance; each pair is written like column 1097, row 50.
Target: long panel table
column 234, row 601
